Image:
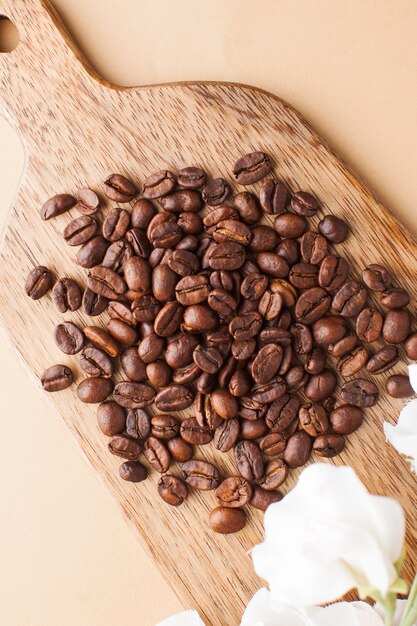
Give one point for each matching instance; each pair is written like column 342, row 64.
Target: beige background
column 350, row 68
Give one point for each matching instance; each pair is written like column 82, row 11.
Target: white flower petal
column 403, row 436
column 185, row 618
column 348, row 614
column 412, row 375
column 260, row 612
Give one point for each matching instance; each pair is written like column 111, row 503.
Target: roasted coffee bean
column 96, row 362
column 180, row 450
column 80, row 230
column 119, row 188
column 298, row 449
column 117, row 254
column 270, row 305
column 286, row 360
column 138, row 274
column 132, row 365
column 133, row 471
column 142, row 212
column 189, row 242
column 312, row 305
column 125, row 447
column 399, row 386
column 266, row 363
column 304, row 275
column 138, row 424
column 329, row 404
column 57, row 378
column 252, row 409
column 115, row 224
column 303, row 203
column 57, row 205
column 247, row 206
column 159, row 374
column 226, row 435
column 369, row 325
column 231, row 230
column 315, row 361
column 261, row 499
column 102, row 339
column 195, row 434
column 94, row 390
column 144, row 309
column 239, row 384
column 159, row 184
column 151, row 348
column 205, row 383
column 133, row 395
column 272, row 264
column 122, row 332
column 290, row 226
column 273, row 444
column 180, row 348
column 296, row 378
column 224, row 404
column 234, row 492
column 251, row 168
column 201, row 475
column 215, row 192
column 111, row 418
column 208, row 359
column 395, row 298
column 168, row 320
column 264, row 239
column 328, row 330
column 38, row 282
column 282, row 412
column 349, row 299
column 289, row 249
column 191, row 224
column 222, row 302
column 313, row 248
column 276, row 473
column 329, row 445
column 163, row 230
column 105, row 282
column 67, row 295
column 223, row 212
column 226, row 521
column 268, row 392
column 69, row 338
column 183, row 200
column 410, row 346
column 351, row 363
column 199, row 319
column 165, row 426
column 313, row 419
column 253, row 429
column 191, row 178
column 164, row 282
column 333, row 272
column 376, row 277
column 346, row 419
column 221, row 280
column 302, row 339
column 360, row 392
column 243, row 350
column 275, row 335
column 192, row 289
column 243, row 327
column 321, row 386
column 138, row 241
column 397, row 325
column 93, row 252
column 174, row 398
column 249, row 460
column 157, row 455
column 88, row 202
column 383, row 360
column 227, row 256
column 273, row 196
column 287, row 291
column 334, row 229
column 172, row 490
column 254, row 286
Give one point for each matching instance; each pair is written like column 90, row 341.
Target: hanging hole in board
column 9, row 35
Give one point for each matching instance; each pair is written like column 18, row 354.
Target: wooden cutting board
column 77, row 129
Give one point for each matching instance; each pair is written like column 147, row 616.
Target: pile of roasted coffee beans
column 233, row 316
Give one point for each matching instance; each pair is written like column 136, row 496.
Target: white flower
column 403, row 436
column 327, row 536
column 185, row 618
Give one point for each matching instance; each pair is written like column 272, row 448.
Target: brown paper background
column 66, row 555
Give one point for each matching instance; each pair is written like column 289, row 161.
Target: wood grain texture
column 77, row 129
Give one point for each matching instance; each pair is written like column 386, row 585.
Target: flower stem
column 410, row 613
column 389, row 608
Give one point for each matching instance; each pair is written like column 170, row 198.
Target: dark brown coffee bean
column 172, row 490
column 226, row 521
column 194, row 433
column 142, row 212
column 180, row 450
column 199, row 319
column 276, row 473
column 273, row 444
column 183, row 200
column 157, row 455
column 298, row 449
column 93, row 252
column 133, row 471
column 132, row 365
column 329, row 330
column 334, row 229
column 313, row 248
column 261, row 499
column 138, row 424
column 201, row 475
column 239, row 384
column 397, row 325
column 88, row 202
column 254, row 286
column 346, row 419
column 94, row 390
column 208, row 359
column 251, row 168
column 268, row 392
column 105, row 282
column 163, row 230
column 139, row 242
column 159, row 374
column 234, row 492
column 102, row 339
column 303, row 203
column 383, row 360
column 343, row 347
column 376, row 277
column 174, row 398
column 351, row 363
column 159, row 184
column 296, row 378
column 266, row 363
column 253, row 429
column 189, row 242
column 410, row 346
column 191, row 178
column 191, row 224
column 249, row 460
column 67, row 295
column 329, row 445
column 273, row 196
column 168, row 320
column 315, row 362
column 369, row 325
column 333, row 272
column 151, row 348
column 399, row 386
column 272, row 264
column 275, row 335
column 57, row 205
column 243, row 349
column 302, row 339
column 164, row 282
column 282, row 412
column 321, row 386
column 215, row 192
column 252, row 409
column 313, row 419
column 138, row 274
column 111, row 418
column 243, row 327
column 222, row 302
column 122, row 332
column 57, row 378
column 304, row 275
column 290, row 226
column 69, row 338
column 226, row 435
column 231, row 230
column 192, row 289
column 224, row 404
column 349, row 299
column 180, row 348
column 227, row 256
column 264, row 239
column 360, row 392
column 144, row 309
column 38, row 282
column 270, row 305
column 125, row 447
column 133, row 395
column 117, row 254
column 395, row 298
column 289, row 249
column 247, row 206
column 119, row 188
column 223, row 212
column 165, row 426
column 116, row 224
column 96, row 362
column 312, row 305
column 287, row 291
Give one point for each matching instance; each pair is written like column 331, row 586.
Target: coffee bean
column 69, row 338
column 351, row 363
column 192, row 178
column 315, row 361
column 304, row 275
column 395, row 298
column 272, row 264
column 247, row 207
column 268, row 392
column 243, row 327
column 410, row 346
column 369, row 325
column 192, row 289
column 157, row 455
column 208, row 359
column 334, row 229
column 102, row 339
column 88, row 202
column 298, row 449
column 312, row 305
column 216, row 192
column 226, row 521
column 224, row 404
column 253, row 409
column 290, row 226
column 159, row 374
column 94, row 390
column 222, row 302
column 253, row 429
column 119, row 188
column 80, row 230
column 151, row 348
column 276, row 473
column 376, row 277
column 138, row 424
column 349, row 299
column 57, row 378
column 328, row 330
column 313, row 248
column 321, row 386
column 360, row 392
column 124, row 447
column 199, row 319
column 173, row 398
column 251, row 168
column 289, row 249
column 93, row 252
column 172, row 490
column 313, row 419
column 333, row 272
column 180, row 450
column 95, row 362
column 273, row 196
column 397, row 325
column 67, row 295
column 165, row 426
column 329, row 445
column 261, row 499
column 57, row 205
column 133, row 395
column 343, row 346
column 264, row 239
column 142, row 212
column 133, row 471
column 183, row 200
column 287, row 291
column 273, row 444
column 132, row 365
column 249, row 460
column 159, row 184
column 227, row 256
column 253, row 287
column 164, row 282
column 105, row 282
column 163, row 230
column 302, row 339
column 234, row 492
column 231, row 230
column 38, row 282
column 168, row 320
column 296, row 378
column 116, row 224
column 223, row 212
column 399, row 386
column 266, row 363
column 346, row 419
column 270, row 305
column 122, row 332
column 111, row 418
column 383, row 360
column 329, row 404
column 201, row 475
column 282, row 412
column 303, row 203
